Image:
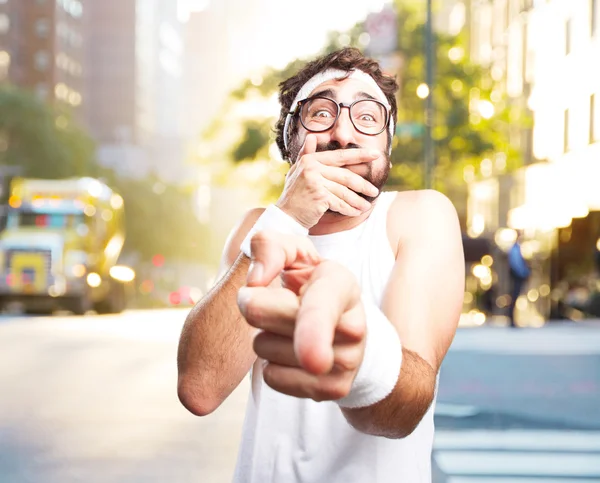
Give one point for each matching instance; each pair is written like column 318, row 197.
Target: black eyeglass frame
column 340, row 105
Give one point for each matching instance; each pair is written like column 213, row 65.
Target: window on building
column 594, row 119
column 61, row 91
column 526, row 5
column 42, row 28
column 62, row 30
column 75, row 39
column 4, row 64
column 76, row 9
column 525, row 54
column 593, row 17
column 41, row 60
column 75, row 98
column 568, row 28
column 4, row 23
column 42, row 90
column 566, row 132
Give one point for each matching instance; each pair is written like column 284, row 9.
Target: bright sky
column 303, row 24
column 286, row 29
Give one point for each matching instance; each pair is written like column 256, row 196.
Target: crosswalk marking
column 507, row 463
column 546, row 341
column 517, row 456
column 455, row 410
column 518, row 440
column 477, row 479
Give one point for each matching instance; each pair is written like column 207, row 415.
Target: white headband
column 325, row 76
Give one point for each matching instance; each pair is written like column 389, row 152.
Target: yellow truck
column 61, row 245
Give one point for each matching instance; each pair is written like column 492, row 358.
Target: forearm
column 398, row 414
column 215, row 349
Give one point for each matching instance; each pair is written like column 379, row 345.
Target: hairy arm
column 215, row 349
column 423, row 300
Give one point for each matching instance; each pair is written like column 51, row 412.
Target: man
column 597, row 256
column 347, row 298
column 519, row 273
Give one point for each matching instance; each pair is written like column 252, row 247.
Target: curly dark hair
column 347, row 59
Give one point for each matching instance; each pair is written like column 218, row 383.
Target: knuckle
column 346, row 361
column 330, row 389
column 344, row 196
column 320, row 194
column 260, row 238
column 358, row 331
column 310, row 176
column 269, row 375
column 357, row 183
column 254, row 313
column 319, row 394
column 308, row 163
column 361, row 183
column 347, row 178
column 258, row 343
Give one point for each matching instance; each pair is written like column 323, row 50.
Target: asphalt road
column 92, row 399
column 520, row 406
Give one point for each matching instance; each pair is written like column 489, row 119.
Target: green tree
column 160, row 219
column 42, row 139
column 254, row 139
column 472, row 117
column 46, row 142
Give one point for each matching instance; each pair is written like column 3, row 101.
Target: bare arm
column 215, row 349
column 423, row 301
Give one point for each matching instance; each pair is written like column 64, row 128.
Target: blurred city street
column 136, row 134
column 520, row 405
column 93, row 399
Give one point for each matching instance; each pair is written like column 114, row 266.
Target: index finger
column 344, row 157
column 309, row 146
column 273, row 252
column 327, row 296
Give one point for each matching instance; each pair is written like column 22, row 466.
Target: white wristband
column 273, row 219
column 378, row 374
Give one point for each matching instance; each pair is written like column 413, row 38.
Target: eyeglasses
column 318, row 114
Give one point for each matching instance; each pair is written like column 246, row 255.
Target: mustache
column 335, row 145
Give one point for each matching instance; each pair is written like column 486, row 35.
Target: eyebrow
column 332, row 94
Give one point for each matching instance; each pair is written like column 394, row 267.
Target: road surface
column 93, row 400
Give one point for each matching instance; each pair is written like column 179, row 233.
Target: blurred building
column 206, row 69
column 111, row 71
column 223, row 47
column 41, row 48
column 543, row 56
column 135, row 86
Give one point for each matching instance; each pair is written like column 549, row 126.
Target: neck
column 335, row 223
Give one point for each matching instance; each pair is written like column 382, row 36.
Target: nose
column 343, row 131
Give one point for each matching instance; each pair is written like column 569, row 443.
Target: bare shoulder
column 419, row 202
column 415, row 215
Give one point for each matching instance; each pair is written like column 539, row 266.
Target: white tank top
column 291, row 440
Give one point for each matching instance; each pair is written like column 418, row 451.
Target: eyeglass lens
column 319, row 114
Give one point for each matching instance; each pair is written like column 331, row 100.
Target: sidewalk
column 478, row 320
column 554, row 338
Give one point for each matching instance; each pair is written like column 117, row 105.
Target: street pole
column 429, row 151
